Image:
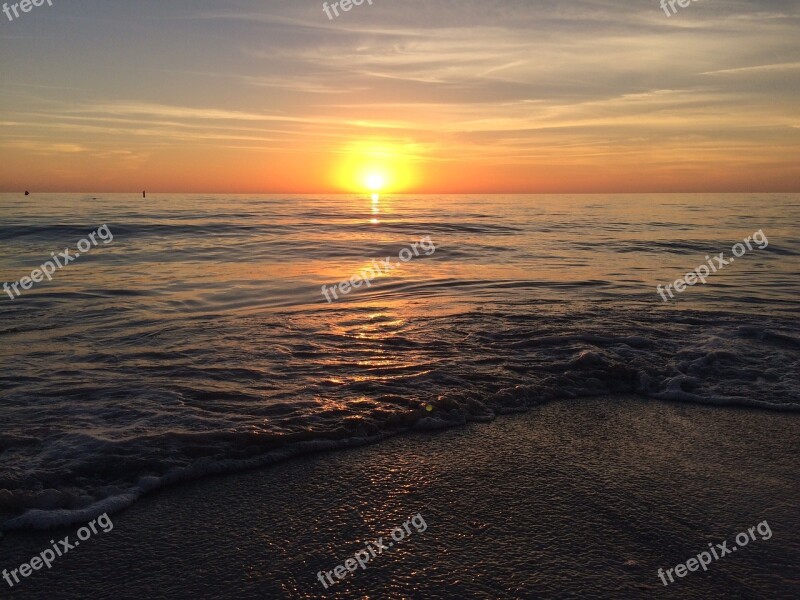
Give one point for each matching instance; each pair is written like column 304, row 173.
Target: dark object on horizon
column 143, row 194
column 27, row 193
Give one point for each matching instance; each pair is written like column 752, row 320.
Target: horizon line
column 366, row 192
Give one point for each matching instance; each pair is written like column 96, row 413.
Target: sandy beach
column 582, row 499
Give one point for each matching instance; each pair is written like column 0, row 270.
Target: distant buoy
column 27, row 193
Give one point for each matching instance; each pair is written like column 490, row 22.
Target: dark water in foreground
column 198, row 341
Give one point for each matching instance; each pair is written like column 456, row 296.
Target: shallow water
column 199, row 340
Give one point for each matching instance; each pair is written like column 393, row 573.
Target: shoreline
column 588, row 496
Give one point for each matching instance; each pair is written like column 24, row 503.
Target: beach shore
column 585, row 498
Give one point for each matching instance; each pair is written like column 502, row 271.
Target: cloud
column 756, row 68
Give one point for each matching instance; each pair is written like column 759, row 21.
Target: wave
column 215, row 410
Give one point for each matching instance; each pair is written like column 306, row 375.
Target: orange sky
column 594, row 96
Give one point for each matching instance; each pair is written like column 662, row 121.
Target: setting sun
column 374, row 166
column 374, row 181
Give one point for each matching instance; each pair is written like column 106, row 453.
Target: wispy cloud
column 757, row 68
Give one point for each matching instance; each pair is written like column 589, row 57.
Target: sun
column 373, row 166
column 374, row 181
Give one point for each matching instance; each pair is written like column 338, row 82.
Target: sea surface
column 199, row 341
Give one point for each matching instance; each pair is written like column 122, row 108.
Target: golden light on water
column 376, row 209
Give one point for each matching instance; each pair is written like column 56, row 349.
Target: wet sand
column 582, row 499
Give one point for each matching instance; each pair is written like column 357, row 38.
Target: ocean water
column 199, row 341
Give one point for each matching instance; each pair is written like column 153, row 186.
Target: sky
column 423, row 96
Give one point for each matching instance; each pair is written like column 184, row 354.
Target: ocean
column 199, row 340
